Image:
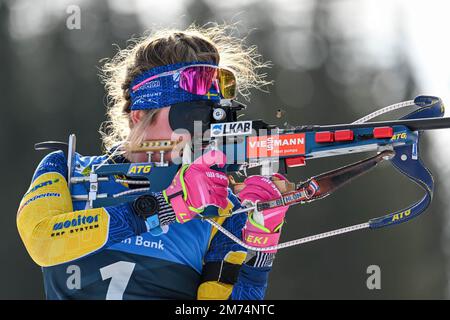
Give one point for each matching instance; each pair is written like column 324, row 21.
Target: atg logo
column 231, row 129
column 139, row 169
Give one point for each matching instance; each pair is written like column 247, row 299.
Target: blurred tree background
column 334, row 61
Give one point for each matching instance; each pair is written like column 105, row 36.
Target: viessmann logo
column 271, row 143
column 275, row 146
column 231, row 128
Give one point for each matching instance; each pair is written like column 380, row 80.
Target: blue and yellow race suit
column 106, row 253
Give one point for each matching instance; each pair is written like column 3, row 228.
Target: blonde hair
column 215, row 44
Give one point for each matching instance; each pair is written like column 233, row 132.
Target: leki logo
column 257, row 240
column 275, row 146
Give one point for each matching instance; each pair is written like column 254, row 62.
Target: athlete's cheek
column 160, row 128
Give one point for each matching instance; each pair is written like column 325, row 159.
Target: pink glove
column 197, row 186
column 262, row 229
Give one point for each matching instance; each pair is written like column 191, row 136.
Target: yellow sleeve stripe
column 215, row 290
column 52, row 232
column 220, row 219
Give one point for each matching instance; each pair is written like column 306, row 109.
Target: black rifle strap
column 221, row 271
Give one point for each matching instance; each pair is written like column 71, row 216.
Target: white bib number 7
column 120, row 274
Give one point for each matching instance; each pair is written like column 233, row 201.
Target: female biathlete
column 108, row 253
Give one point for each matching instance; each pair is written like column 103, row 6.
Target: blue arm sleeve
column 46, row 216
column 123, row 222
column 252, row 281
column 251, row 284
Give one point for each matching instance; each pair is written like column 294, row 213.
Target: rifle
column 250, row 144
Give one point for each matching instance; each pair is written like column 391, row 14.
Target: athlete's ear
column 136, row 115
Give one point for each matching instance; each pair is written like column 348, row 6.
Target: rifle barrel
column 412, row 124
